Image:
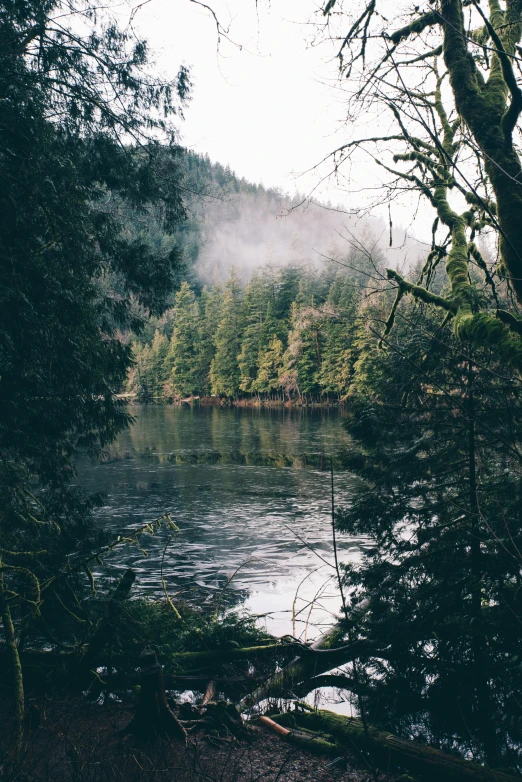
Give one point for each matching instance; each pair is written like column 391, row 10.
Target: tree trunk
column 153, row 718
column 483, row 109
column 310, row 663
column 191, row 660
column 16, row 677
column 392, row 750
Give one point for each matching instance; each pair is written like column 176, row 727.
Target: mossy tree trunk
column 491, row 109
column 16, row 677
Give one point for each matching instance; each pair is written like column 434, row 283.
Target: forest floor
column 83, row 742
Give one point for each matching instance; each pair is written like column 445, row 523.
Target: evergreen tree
column 335, row 372
column 437, row 433
column 79, row 123
column 209, row 303
column 73, row 278
column 283, row 288
column 150, row 372
column 159, row 352
column 302, row 357
column 252, row 341
column 183, row 358
column 225, row 375
column 270, row 363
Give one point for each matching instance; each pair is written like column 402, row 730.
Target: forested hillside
column 260, row 313
column 231, row 222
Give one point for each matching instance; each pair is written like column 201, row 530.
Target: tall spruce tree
column 209, row 312
column 183, row 358
column 225, row 376
column 270, row 367
column 302, row 358
column 255, row 308
column 334, row 374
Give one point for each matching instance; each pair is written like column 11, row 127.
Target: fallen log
column 203, row 680
column 191, row 660
column 316, row 744
column 284, row 679
column 339, row 681
column 387, row 749
column 311, row 662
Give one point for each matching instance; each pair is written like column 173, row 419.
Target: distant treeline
column 287, row 336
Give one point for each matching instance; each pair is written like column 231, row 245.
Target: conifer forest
column 260, row 391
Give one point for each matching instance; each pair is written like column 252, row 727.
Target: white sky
column 267, row 106
column 262, row 109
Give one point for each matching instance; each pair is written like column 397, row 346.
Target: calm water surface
column 249, row 490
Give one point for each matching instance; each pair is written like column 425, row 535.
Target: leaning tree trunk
column 490, row 109
column 153, row 717
column 17, row 682
column 311, row 662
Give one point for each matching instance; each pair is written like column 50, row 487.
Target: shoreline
column 214, row 401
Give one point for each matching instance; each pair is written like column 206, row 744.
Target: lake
column 249, row 490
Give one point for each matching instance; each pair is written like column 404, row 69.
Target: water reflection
column 246, row 487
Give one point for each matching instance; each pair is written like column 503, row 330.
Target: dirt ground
column 69, row 740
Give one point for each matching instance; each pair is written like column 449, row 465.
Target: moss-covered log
column 60, row 668
column 192, row 660
column 387, row 749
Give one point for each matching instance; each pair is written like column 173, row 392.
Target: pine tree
column 225, row 376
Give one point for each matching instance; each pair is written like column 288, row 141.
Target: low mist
column 249, row 230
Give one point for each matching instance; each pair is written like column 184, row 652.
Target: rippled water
column 249, row 490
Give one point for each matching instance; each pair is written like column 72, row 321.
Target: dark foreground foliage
column 437, row 429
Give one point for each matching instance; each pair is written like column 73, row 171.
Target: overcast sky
column 266, row 104
column 265, row 108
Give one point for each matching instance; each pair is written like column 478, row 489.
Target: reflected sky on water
column 249, row 490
